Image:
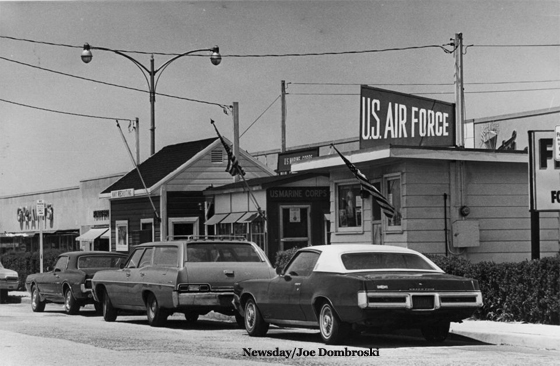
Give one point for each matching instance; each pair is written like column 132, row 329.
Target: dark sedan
column 337, row 288
column 69, row 282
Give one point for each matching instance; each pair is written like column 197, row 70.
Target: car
column 344, row 288
column 192, row 276
column 69, row 282
column 9, row 280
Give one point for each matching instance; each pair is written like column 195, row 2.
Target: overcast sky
column 42, row 149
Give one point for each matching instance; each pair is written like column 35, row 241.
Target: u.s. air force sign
column 388, row 117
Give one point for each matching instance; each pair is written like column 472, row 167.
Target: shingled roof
column 160, row 165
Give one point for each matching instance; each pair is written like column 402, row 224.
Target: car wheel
column 109, row 312
column 71, row 306
column 98, row 307
column 436, row 332
column 191, row 317
column 332, row 329
column 156, row 315
column 36, row 304
column 254, row 323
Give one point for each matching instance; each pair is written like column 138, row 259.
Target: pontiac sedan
column 69, row 282
column 193, row 277
column 337, row 288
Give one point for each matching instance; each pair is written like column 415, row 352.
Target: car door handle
column 229, row 272
column 297, row 284
column 128, row 274
column 142, row 274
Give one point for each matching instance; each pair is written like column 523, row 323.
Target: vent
column 217, row 156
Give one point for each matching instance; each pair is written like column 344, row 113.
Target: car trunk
column 410, row 281
column 222, row 275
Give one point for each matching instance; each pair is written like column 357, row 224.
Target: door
column 181, row 227
column 295, row 227
column 50, row 283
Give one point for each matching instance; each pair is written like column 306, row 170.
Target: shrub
column 527, row 291
column 283, row 257
column 26, row 263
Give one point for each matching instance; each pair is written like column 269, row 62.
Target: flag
column 366, row 185
column 233, row 166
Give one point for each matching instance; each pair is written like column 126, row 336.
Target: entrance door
column 295, row 227
column 180, row 228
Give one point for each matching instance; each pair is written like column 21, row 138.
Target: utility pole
column 283, row 123
column 459, row 92
column 236, row 134
column 137, row 130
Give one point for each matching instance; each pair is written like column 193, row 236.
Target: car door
column 284, row 291
column 137, row 280
column 119, row 286
column 161, row 277
column 50, row 282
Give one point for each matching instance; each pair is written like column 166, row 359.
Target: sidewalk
column 538, row 336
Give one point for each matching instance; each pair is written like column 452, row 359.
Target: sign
column 285, row 160
column 388, row 117
column 298, row 194
column 123, row 193
column 41, row 208
column 544, row 180
column 557, row 144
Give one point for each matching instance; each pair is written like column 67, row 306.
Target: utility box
column 466, row 233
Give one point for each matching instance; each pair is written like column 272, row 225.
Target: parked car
column 337, row 288
column 192, row 276
column 69, row 282
column 8, row 281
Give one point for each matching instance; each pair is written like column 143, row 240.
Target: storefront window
column 349, row 201
column 393, row 194
column 122, row 235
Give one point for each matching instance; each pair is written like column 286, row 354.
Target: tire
column 436, row 332
column 37, row 305
column 239, row 320
column 191, row 317
column 254, row 322
column 109, row 312
column 98, row 308
column 71, row 306
column 333, row 331
column 156, row 315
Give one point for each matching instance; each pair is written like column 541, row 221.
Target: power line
column 255, row 121
column 110, row 84
column 430, row 84
column 62, row 112
column 438, row 93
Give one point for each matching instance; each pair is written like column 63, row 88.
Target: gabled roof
column 160, row 165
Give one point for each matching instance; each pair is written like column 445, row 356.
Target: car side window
column 146, row 258
column 303, row 264
column 166, row 256
column 61, row 264
column 135, row 258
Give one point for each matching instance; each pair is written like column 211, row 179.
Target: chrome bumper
column 215, row 299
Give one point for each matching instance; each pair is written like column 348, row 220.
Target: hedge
column 527, row 291
column 26, row 263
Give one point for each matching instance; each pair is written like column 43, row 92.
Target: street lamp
column 215, row 58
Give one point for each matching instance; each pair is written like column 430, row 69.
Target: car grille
column 423, row 302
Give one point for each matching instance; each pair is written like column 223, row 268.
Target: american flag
column 366, row 185
column 233, row 166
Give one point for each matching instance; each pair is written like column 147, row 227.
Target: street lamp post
column 215, row 58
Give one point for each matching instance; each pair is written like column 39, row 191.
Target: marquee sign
column 388, row 117
column 544, row 180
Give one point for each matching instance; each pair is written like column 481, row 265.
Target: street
column 54, row 338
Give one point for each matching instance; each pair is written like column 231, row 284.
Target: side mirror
column 279, row 270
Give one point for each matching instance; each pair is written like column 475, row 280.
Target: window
column 349, row 206
column 147, row 232
column 393, row 194
column 182, row 227
column 165, row 256
column 135, row 259
column 122, row 235
column 146, row 258
column 221, row 252
column 368, row 261
column 61, row 264
column 303, row 264
column 99, row 262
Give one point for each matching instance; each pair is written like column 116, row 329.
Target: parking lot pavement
column 540, row 336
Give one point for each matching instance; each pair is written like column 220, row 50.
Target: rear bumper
column 419, row 301
column 9, row 284
column 203, row 299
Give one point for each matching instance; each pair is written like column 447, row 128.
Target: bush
column 283, row 257
column 527, row 291
column 26, row 263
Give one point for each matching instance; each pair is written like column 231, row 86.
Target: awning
column 92, row 234
column 232, row 217
column 248, row 217
column 216, row 219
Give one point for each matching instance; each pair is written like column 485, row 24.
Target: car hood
column 4, row 272
column 414, row 281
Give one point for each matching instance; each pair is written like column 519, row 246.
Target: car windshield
column 221, row 252
column 371, row 261
column 99, row 262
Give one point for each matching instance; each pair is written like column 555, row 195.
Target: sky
column 58, row 115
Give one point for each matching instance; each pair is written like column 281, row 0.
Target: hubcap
column 326, row 322
column 250, row 315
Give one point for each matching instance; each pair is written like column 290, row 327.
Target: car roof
column 330, row 260
column 94, row 253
